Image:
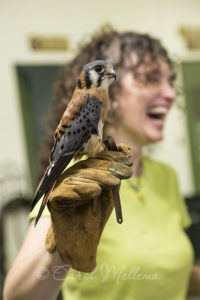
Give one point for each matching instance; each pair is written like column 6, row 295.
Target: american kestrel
column 80, row 130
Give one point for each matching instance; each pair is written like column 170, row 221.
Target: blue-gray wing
column 78, row 133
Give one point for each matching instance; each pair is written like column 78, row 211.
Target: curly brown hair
column 106, row 44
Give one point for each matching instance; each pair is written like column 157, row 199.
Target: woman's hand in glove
column 76, row 224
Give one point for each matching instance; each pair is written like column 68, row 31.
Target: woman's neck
column 121, row 137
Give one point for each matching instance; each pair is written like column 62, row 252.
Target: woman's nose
column 168, row 91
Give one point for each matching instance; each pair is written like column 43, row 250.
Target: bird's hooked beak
column 111, row 73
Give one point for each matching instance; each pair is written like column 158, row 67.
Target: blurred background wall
column 76, row 20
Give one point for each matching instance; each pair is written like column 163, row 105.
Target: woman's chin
column 153, row 136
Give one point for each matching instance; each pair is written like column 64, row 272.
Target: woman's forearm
column 36, row 273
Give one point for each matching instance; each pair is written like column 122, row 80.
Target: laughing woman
column 148, row 256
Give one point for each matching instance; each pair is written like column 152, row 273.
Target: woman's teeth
column 157, row 112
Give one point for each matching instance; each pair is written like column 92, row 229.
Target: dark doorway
column 191, row 82
column 35, row 87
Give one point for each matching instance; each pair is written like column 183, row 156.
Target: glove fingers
column 116, row 156
column 73, row 190
column 86, row 190
column 102, row 177
column 92, row 164
column 125, row 149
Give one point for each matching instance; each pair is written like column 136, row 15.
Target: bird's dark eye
column 98, row 68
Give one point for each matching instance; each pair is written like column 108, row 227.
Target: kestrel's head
column 97, row 74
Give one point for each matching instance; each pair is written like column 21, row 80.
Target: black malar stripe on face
column 79, row 84
column 88, row 81
column 99, row 80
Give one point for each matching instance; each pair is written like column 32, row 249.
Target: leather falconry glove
column 81, row 204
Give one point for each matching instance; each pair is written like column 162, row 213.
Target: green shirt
column 148, row 256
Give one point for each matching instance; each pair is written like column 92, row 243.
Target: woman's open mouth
column 157, row 115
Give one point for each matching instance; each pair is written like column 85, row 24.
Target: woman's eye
column 98, row 68
column 153, row 79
